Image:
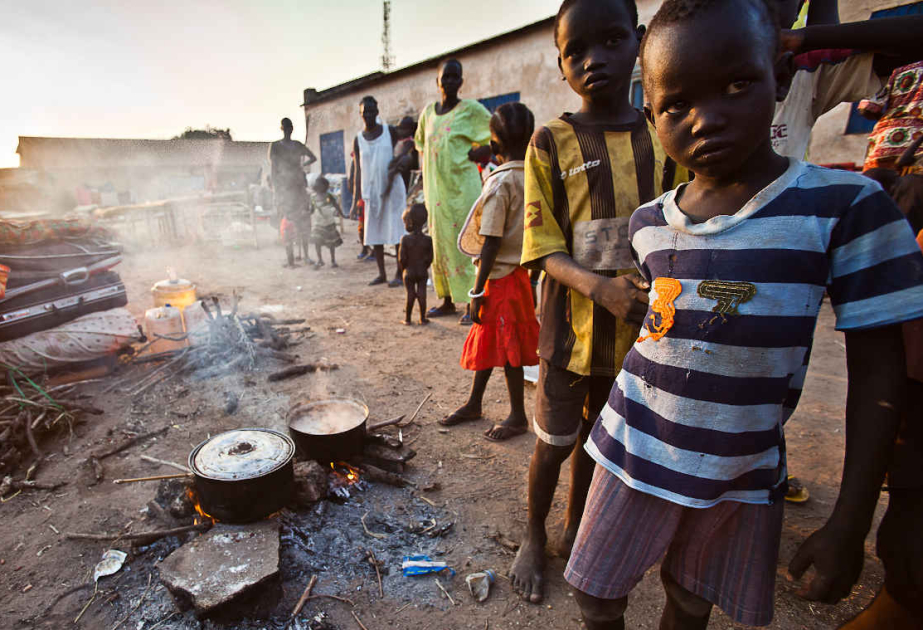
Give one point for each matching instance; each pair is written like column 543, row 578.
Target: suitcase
column 50, row 306
column 29, row 264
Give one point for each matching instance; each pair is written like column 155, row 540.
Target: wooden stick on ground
column 130, row 443
column 164, row 462
column 140, row 535
column 300, row 370
column 445, row 592
column 374, row 562
column 419, row 407
column 154, row 478
column 359, row 621
column 301, row 600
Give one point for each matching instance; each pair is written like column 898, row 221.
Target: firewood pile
column 229, row 343
column 28, row 412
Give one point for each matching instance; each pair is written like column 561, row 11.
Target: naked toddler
column 416, row 257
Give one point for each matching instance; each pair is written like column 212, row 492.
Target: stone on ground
column 220, row 566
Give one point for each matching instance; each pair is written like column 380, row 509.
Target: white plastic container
column 164, row 320
column 196, row 320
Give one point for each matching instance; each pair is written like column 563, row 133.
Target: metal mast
column 387, row 59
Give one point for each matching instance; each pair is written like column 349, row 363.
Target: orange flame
column 201, row 515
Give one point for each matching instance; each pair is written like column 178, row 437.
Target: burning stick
column 164, row 462
column 154, row 478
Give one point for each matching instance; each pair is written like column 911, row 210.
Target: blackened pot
column 243, row 475
column 329, row 430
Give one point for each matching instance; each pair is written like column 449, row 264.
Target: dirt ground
column 392, row 368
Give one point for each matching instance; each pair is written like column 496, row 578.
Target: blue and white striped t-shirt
column 695, row 417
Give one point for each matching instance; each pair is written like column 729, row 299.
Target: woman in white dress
column 373, row 149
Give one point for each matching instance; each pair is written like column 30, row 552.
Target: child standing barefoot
column 416, row 255
column 690, row 447
column 585, row 174
column 504, row 331
column 326, row 211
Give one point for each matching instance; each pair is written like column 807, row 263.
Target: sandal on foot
column 440, row 311
column 502, row 432
column 377, row 281
column 397, row 282
column 465, row 320
column 796, row 493
column 455, row 418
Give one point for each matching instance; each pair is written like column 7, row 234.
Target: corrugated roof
column 313, row 97
column 38, row 152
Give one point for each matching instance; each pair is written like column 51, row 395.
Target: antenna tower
column 387, row 59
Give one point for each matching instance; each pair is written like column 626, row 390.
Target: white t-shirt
column 824, row 80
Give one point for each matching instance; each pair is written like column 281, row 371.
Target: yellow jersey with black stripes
column 582, row 183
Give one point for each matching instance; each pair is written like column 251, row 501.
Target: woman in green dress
column 451, row 134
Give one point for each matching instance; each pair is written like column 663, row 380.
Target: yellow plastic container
column 164, row 320
column 178, row 293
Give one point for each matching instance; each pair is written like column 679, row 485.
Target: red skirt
column 508, row 333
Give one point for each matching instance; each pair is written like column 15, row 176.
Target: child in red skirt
column 504, row 331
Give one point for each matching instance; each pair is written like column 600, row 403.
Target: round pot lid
column 242, row 454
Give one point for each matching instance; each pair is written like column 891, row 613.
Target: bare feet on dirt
column 511, row 427
column 527, row 575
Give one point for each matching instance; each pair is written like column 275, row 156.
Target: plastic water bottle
column 479, row 584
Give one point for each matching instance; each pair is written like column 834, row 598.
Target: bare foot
column 511, row 427
column 423, row 320
column 407, row 322
column 527, row 575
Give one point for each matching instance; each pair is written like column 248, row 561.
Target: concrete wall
column 528, row 64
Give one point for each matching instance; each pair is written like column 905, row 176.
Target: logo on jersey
column 533, row 215
column 667, row 289
column 729, row 295
column 579, row 169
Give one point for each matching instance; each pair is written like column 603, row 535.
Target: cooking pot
column 330, row 430
column 243, row 475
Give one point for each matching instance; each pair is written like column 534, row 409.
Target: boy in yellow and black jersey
column 585, row 173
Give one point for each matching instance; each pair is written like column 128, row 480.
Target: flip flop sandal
column 438, row 311
column 465, row 320
column 511, row 432
column 453, row 419
column 797, row 493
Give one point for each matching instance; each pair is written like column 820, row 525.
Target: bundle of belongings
column 60, row 301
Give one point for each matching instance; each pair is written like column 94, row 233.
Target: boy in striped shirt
column 690, row 449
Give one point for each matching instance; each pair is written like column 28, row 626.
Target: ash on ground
column 327, row 540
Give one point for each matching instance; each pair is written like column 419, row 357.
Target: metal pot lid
column 241, row 454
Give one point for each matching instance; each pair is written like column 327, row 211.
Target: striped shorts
column 725, row 554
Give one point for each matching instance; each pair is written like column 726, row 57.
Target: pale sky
column 132, row 69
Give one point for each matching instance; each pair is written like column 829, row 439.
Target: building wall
column 528, row 64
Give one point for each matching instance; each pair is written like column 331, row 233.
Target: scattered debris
column 479, row 584
column 421, row 565
column 112, row 561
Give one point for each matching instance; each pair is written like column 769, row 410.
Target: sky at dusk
column 130, row 69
